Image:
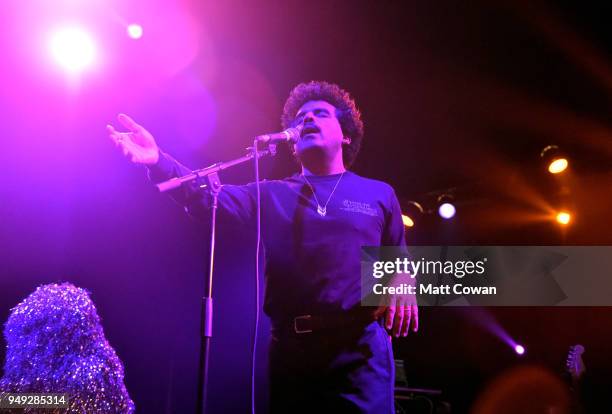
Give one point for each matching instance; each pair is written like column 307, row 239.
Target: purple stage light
column 134, row 31
column 73, row 48
column 447, row 211
column 488, row 322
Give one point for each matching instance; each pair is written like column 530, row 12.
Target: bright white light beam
column 134, row 31
column 73, row 48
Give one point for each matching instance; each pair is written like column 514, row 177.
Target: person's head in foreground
column 56, row 344
column 330, row 123
column 526, row 390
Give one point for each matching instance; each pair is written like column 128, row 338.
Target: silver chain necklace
column 322, row 210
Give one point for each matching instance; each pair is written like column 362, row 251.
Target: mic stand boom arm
column 212, row 170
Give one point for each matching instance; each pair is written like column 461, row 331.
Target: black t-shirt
column 312, row 262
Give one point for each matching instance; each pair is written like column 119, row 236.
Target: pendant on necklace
column 322, row 210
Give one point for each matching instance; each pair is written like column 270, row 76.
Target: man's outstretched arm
column 139, row 146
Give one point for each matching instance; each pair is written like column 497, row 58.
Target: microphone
column 289, row 135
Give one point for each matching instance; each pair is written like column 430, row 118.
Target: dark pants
column 346, row 370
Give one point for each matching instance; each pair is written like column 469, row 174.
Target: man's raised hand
column 138, row 145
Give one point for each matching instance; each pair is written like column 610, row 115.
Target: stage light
column 134, row 31
column 408, row 222
column 447, row 211
column 412, row 212
column 563, row 217
column 557, row 166
column 556, row 162
column 73, row 48
column 446, row 208
column 519, row 349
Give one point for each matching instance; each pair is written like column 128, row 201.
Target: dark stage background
column 454, row 95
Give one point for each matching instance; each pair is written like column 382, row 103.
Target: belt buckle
column 295, row 324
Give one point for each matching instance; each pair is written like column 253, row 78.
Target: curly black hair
column 346, row 112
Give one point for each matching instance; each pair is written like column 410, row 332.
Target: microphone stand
column 213, row 185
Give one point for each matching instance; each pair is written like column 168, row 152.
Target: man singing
column 328, row 353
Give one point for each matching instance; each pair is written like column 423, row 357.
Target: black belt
column 312, row 323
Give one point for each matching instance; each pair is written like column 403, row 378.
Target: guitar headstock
column 574, row 364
